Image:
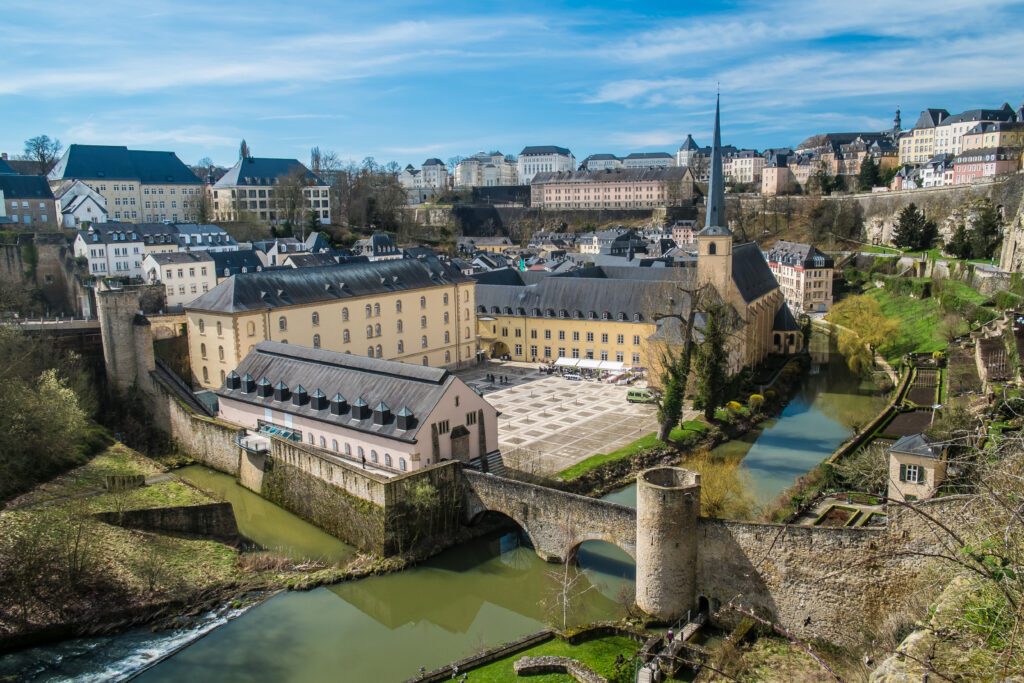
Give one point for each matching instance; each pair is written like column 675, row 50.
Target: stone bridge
column 555, row 521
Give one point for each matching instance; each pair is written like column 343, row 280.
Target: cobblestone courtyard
column 548, row 423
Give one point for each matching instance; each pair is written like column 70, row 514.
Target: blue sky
column 408, row 80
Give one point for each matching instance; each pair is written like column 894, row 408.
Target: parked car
column 642, row 396
column 573, row 377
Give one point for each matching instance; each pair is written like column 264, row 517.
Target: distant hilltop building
column 432, row 174
column 619, row 188
column 486, row 169
column 251, row 188
column 648, row 160
column 543, row 159
column 138, row 185
column 937, row 132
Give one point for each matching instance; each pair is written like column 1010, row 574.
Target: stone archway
column 499, row 349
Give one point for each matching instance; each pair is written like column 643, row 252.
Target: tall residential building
column 412, row 310
column 804, row 275
column 543, row 159
column 111, row 249
column 485, row 169
column 999, row 134
column 252, row 188
column 949, row 133
column 744, row 166
column 918, row 144
column 620, row 188
column 138, row 185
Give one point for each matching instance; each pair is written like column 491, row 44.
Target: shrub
column 756, row 402
column 733, row 406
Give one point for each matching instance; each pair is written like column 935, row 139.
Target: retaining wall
column 212, row 520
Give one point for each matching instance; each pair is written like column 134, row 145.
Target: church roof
column 784, row 320
column 750, row 272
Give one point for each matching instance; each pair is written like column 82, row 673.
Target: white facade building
column 185, row 275
column 648, row 160
column 78, row 203
column 434, row 174
column 112, row 250
column 485, row 169
column 543, row 159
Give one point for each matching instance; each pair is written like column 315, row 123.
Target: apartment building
column 111, row 249
column 984, row 163
column 435, row 174
column 918, row 144
column 745, row 166
column 614, row 242
column 543, row 159
column 185, row 275
column 621, row 188
column 648, row 160
column 804, row 275
column 412, row 310
column 992, row 135
column 486, row 169
column 684, row 232
column 28, row 201
column 380, row 414
column 138, row 185
column 252, row 188
column 949, row 134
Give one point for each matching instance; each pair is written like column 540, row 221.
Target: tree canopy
column 913, row 230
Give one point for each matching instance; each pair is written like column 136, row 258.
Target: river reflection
column 384, row 628
column 830, row 405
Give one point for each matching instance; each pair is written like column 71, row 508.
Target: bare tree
column 44, row 151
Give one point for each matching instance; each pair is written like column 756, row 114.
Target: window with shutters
column 912, row 474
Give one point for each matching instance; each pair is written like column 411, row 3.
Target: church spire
column 715, row 217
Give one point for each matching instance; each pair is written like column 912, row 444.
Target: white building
column 410, row 178
column 485, row 169
column 601, row 162
column 949, row 133
column 434, row 174
column 112, row 250
column 688, row 152
column 250, row 189
column 745, row 166
column 804, row 275
column 648, row 160
column 543, row 159
column 185, row 275
column 78, row 203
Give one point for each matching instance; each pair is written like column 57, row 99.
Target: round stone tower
column 667, row 508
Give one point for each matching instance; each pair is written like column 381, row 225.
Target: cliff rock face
column 1012, row 256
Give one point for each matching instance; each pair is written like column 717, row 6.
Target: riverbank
column 65, row 573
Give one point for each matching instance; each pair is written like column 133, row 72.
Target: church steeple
column 715, row 222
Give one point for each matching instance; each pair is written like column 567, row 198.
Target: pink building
column 383, row 414
column 982, row 163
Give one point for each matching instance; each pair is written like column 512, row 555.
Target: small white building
column 410, row 178
column 391, row 416
column 185, row 275
column 601, row 162
column 112, row 249
column 78, row 203
column 543, row 159
column 434, row 174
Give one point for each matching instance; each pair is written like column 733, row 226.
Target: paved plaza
column 547, row 423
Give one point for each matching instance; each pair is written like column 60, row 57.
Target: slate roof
column 930, row 118
column 297, row 286
column 415, row 388
column 784, row 320
column 798, row 254
column 433, row 161
column 580, row 297
column 1004, row 113
column 234, row 261
column 649, row 155
column 307, row 260
column 110, row 233
column 916, row 444
column 750, row 272
column 257, row 171
column 612, row 175
column 25, row 187
column 601, row 157
column 176, row 257
column 544, row 149
column 5, row 168
column 689, row 145
column 113, row 162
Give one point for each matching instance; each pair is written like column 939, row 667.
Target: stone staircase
column 492, row 464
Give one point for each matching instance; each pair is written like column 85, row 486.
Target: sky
column 405, row 81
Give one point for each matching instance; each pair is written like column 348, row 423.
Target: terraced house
column 138, row 185
column 411, row 310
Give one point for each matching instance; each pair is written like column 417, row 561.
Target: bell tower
column 714, row 242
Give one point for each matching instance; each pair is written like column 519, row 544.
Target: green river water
column 479, row 594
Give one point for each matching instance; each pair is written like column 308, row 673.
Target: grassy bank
column 690, row 433
column 599, row 654
column 920, row 328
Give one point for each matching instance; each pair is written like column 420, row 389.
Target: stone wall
column 555, row 521
column 41, row 262
column 212, row 520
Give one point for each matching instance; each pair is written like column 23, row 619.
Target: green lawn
column 680, row 436
column 598, row 654
column 919, row 324
column 965, row 292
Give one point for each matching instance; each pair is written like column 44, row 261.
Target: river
column 479, row 594
column 830, row 406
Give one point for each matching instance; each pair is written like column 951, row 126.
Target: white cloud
column 110, row 133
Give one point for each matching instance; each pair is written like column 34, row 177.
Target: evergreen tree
column 869, row 175
column 984, row 235
column 712, row 361
column 913, row 231
column 960, row 244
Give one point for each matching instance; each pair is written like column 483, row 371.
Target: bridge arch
column 480, row 515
